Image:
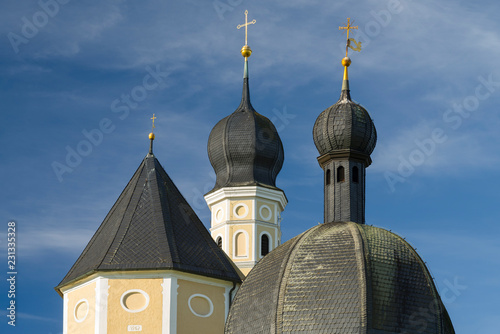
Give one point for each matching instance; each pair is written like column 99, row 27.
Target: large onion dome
column 345, row 126
column 340, row 278
column 244, row 148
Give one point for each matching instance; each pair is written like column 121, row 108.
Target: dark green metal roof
column 151, row 226
column 340, row 278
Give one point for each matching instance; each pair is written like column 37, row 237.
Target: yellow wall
column 87, row 325
column 150, row 319
column 234, row 204
column 229, row 225
column 271, row 207
column 189, row 323
column 245, row 271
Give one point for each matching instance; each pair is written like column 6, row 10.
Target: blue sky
column 428, row 74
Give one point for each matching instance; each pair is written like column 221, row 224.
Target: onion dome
column 345, row 125
column 244, row 148
column 340, row 278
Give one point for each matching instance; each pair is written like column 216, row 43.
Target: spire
column 345, row 136
column 245, row 96
column 345, row 94
column 346, row 61
column 152, row 135
column 246, row 52
column 244, row 148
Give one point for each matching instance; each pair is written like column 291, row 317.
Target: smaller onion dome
column 345, row 125
column 244, row 148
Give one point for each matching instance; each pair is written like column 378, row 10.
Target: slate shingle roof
column 345, row 125
column 151, row 226
column 340, row 278
column 244, row 148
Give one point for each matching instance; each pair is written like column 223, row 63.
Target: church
column 153, row 267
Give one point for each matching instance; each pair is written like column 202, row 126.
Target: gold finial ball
column 151, row 136
column 246, row 51
column 346, row 61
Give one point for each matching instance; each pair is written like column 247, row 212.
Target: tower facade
column 246, row 153
column 246, row 222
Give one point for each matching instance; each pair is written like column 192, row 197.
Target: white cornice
column 248, row 222
column 147, row 274
column 245, row 192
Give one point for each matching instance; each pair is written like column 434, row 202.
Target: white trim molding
column 241, row 205
column 247, row 192
column 169, row 314
column 218, row 218
column 75, row 309
column 101, row 305
column 211, row 305
column 261, row 215
column 128, row 292
column 65, row 313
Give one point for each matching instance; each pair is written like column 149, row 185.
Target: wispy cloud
column 36, row 242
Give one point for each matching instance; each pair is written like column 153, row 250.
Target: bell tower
column 246, row 153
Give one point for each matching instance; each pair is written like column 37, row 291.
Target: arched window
column 340, row 174
column 240, row 244
column 355, row 174
column 219, row 242
column 328, row 176
column 264, row 245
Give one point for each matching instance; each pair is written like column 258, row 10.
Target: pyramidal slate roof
column 151, row 226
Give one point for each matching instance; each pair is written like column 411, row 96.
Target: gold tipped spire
column 346, row 61
column 245, row 50
column 152, row 135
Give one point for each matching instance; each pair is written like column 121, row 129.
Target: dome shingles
column 402, row 289
column 245, row 148
column 339, row 278
column 261, row 295
column 345, row 125
column 326, row 255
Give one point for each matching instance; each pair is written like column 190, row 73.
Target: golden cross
column 348, row 27
column 246, row 26
column 153, row 118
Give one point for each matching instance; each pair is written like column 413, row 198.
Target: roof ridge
column 124, row 227
column 172, row 244
column 285, row 274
